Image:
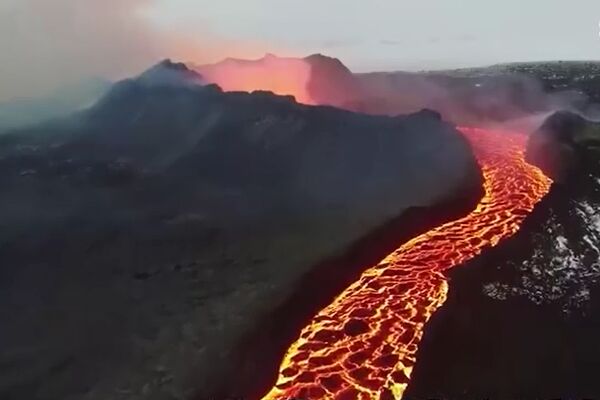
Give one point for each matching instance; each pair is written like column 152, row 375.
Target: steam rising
column 491, row 97
column 496, row 99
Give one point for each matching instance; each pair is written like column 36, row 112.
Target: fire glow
column 283, row 76
column 364, row 344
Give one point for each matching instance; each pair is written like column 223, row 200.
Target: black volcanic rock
column 522, row 320
column 565, row 143
column 142, row 238
column 312, row 155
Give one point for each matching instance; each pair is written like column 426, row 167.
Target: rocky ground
column 522, row 320
column 169, row 242
column 144, row 240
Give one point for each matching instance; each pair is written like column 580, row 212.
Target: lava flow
column 364, row 344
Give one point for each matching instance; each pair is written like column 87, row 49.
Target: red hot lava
column 364, row 344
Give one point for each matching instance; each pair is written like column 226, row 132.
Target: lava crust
column 364, row 344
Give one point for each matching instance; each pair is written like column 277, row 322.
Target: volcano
column 316, row 79
column 364, row 344
column 489, row 96
column 148, row 235
column 190, row 199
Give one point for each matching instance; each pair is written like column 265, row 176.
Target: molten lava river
column 364, row 344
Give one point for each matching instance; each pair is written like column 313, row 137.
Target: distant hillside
column 487, row 95
column 582, row 76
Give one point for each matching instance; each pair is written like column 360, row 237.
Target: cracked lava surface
column 364, row 344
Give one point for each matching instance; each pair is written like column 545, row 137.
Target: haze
column 47, row 44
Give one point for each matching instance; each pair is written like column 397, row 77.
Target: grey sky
column 49, row 43
column 399, row 33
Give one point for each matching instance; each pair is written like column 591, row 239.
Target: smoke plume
column 494, row 98
column 47, row 44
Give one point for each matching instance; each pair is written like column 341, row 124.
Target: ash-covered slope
column 142, row 238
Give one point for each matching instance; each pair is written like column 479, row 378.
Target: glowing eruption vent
column 283, row 76
column 363, row 345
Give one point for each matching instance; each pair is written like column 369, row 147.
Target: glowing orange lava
column 363, row 345
column 283, row 76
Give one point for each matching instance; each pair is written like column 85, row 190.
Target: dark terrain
column 523, row 319
column 170, row 241
column 145, row 240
